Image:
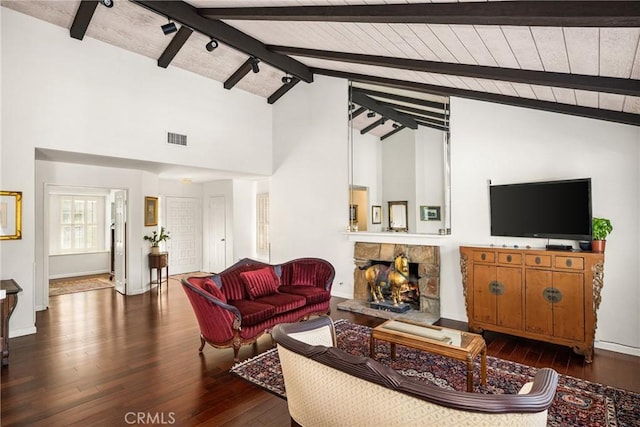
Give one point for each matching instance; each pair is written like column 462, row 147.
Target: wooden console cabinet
column 545, row 295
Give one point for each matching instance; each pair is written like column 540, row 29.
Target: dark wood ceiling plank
column 373, row 125
column 82, row 19
column 356, row 113
column 615, row 85
column 393, row 132
column 424, row 102
column 389, row 113
column 418, row 111
column 423, row 120
column 282, row 90
column 432, row 126
column 574, row 110
column 242, row 71
column 530, row 13
column 174, row 46
column 187, row 15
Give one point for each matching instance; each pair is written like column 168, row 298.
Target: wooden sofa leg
column 235, row 353
column 202, row 343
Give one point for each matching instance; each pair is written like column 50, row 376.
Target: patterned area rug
column 70, row 286
column 577, row 402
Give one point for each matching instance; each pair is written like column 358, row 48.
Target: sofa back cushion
column 304, row 274
column 261, row 282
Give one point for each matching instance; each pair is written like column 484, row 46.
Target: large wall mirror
column 399, row 155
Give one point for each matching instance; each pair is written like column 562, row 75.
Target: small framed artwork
column 353, row 213
column 150, row 211
column 10, row 215
column 376, row 214
column 429, row 213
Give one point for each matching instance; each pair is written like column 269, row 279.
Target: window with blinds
column 262, row 225
column 77, row 224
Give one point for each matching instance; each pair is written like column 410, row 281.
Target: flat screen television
column 551, row 209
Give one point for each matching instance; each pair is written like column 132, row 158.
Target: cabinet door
column 538, row 316
column 568, row 311
column 509, row 297
column 484, row 301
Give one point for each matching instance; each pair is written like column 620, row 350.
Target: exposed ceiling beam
column 174, row 46
column 405, row 108
column 356, row 113
column 373, row 125
column 616, row 85
column 82, row 19
column 187, row 15
column 282, row 90
column 530, row 13
column 424, row 102
column 575, row 110
column 423, row 120
column 242, row 71
column 393, row 132
column 432, row 126
column 372, row 104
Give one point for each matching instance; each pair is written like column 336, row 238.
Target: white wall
column 507, row 144
column 89, row 97
column 309, row 188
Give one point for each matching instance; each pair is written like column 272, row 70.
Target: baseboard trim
column 84, row 273
column 618, row 348
column 22, row 332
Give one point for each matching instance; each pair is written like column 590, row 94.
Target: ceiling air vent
column 176, row 139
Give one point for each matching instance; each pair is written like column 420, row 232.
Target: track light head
column 395, row 125
column 169, row 28
column 371, row 114
column 213, row 43
column 254, row 64
column 383, row 120
column 107, row 3
column 287, row 79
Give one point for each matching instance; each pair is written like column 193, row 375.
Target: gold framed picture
column 10, row 215
column 150, row 211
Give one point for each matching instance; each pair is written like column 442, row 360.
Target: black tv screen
column 552, row 209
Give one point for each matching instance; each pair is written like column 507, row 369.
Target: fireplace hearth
column 424, row 262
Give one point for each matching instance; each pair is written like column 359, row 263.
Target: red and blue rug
column 577, row 403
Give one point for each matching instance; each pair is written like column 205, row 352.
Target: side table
column 7, row 306
column 158, row 261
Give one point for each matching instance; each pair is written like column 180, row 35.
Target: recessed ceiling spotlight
column 169, row 28
column 213, row 43
column 107, row 3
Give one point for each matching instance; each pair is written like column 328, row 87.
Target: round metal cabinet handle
column 538, row 260
column 508, row 258
column 483, row 257
column 569, row 263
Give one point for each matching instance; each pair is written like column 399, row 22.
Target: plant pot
column 155, row 250
column 598, row 246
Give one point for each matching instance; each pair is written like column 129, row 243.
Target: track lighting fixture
column 352, row 106
column 287, row 79
column 213, row 43
column 383, row 120
column 395, row 126
column 371, row 114
column 169, row 28
column 254, row 64
column 107, row 3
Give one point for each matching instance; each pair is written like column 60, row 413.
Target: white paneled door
column 183, row 221
column 218, row 241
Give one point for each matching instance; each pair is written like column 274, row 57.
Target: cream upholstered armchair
column 327, row 387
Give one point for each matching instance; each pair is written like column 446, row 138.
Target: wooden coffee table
column 451, row 343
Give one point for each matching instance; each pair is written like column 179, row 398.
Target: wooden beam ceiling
column 174, row 46
column 528, row 13
column 187, row 15
column 373, row 125
column 286, row 87
column 242, row 71
column 356, row 112
column 401, row 98
column 82, row 19
column 543, row 78
column 575, row 110
column 409, row 109
column 393, row 132
column 372, row 104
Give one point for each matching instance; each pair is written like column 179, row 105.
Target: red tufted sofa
column 244, row 301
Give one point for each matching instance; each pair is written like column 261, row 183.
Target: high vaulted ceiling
column 572, row 57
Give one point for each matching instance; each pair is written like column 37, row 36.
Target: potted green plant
column 600, row 229
column 155, row 238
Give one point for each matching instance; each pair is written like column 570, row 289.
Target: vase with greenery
column 600, row 229
column 155, row 238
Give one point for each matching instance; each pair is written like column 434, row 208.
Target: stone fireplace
column 425, row 261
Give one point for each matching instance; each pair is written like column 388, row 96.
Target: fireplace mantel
column 397, row 238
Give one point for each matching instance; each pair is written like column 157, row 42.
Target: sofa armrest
column 237, row 322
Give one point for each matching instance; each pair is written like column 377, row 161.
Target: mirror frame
column 402, row 205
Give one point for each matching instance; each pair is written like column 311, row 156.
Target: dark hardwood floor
column 100, row 358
